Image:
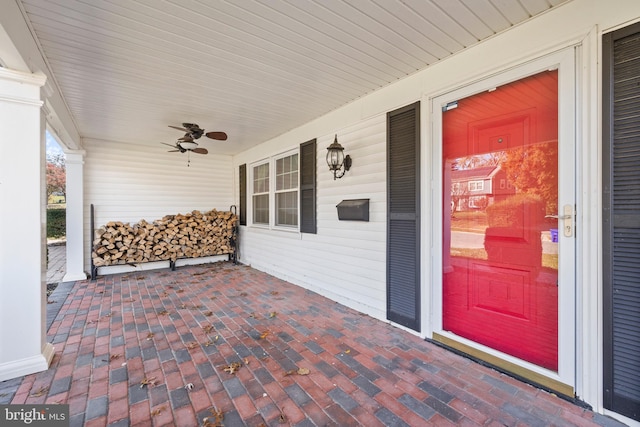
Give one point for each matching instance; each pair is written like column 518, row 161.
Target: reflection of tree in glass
column 533, row 169
column 480, row 160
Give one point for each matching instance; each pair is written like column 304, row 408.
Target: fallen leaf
column 216, row 420
column 232, row 368
column 274, row 292
column 40, row 392
column 148, row 382
column 212, row 298
column 299, row 371
column 150, row 335
column 264, row 334
column 157, row 411
column 303, row 371
column 114, row 357
column 163, row 313
column 140, row 278
column 192, row 345
column 208, row 313
column 282, row 419
column 243, row 294
column 51, row 301
column 216, row 338
column 272, row 314
column 199, row 273
column 253, row 315
column 183, row 305
column 207, row 328
column 179, row 291
column 246, row 361
column 347, row 351
column 208, row 343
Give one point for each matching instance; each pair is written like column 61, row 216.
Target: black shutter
column 621, row 221
column 243, row 193
column 403, row 225
column 308, row 187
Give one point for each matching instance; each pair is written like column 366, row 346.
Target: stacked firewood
column 190, row 235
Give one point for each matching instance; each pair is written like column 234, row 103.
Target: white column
column 23, row 349
column 75, row 218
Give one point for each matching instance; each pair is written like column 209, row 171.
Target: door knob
column 567, row 226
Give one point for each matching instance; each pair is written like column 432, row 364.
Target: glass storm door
column 507, row 247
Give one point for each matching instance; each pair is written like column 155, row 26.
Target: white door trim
column 564, row 61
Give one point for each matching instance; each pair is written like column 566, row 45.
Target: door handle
column 558, row 216
column 567, row 226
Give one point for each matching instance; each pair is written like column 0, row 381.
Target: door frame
column 563, row 381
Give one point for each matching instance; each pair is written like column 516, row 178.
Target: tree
column 533, row 169
column 56, row 175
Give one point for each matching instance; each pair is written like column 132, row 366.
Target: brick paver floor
column 225, row 344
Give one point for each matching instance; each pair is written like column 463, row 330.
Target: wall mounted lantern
column 337, row 161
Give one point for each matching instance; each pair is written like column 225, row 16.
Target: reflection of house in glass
column 478, row 188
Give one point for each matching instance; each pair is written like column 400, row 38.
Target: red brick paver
column 173, row 348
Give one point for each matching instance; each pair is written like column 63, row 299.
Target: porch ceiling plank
column 511, row 10
column 440, row 26
column 126, row 70
column 466, row 18
column 343, row 30
column 488, row 13
column 534, row 7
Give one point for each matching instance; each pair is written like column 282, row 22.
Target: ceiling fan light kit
column 188, row 145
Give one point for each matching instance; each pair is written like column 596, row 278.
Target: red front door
column 500, row 261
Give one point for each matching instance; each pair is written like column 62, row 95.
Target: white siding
column 345, row 260
column 130, row 182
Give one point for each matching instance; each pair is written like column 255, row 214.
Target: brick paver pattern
column 177, row 348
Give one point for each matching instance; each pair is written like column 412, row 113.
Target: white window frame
column 273, row 190
column 260, row 193
column 477, row 185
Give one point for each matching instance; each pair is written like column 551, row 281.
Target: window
column 287, row 191
column 476, row 185
column 261, row 194
column 275, row 197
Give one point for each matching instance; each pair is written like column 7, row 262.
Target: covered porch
column 178, row 347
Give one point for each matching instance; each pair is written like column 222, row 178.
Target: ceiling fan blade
column 179, row 128
column 200, row 150
column 173, row 151
column 169, row 145
column 217, row 135
column 186, row 138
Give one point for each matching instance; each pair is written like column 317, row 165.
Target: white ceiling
column 252, row 68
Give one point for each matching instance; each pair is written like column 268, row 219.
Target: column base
column 29, row 365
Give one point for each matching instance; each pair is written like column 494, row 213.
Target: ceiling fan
column 186, row 147
column 187, row 143
column 193, row 131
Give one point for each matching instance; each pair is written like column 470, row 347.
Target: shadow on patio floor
column 168, row 348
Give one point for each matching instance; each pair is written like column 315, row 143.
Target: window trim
column 271, row 161
column 254, row 194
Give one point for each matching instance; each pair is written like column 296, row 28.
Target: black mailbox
column 353, row 210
